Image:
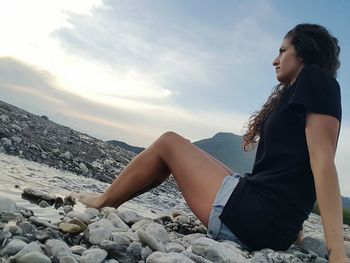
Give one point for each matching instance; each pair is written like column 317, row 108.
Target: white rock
column 91, row 212
column 132, row 236
column 83, row 168
column 157, row 231
column 67, row 155
column 173, row 257
column 58, row 248
column 196, row 258
column 68, row 259
column 119, row 239
column 34, row 257
column 81, row 216
column 174, row 247
column 7, row 204
column 141, row 223
column 79, row 250
column 16, row 127
column 190, row 238
column 182, row 219
column 13, row 247
column 4, row 117
column 67, row 208
column 31, row 247
column 6, row 142
column 129, row 217
column 98, row 231
column 216, row 252
column 42, row 222
column 150, row 241
column 93, row 255
column 16, row 139
column 39, row 194
column 347, row 248
column 117, row 222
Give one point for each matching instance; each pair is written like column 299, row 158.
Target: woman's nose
column 275, row 62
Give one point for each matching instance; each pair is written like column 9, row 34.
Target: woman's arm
column 321, row 135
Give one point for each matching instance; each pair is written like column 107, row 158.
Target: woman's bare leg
column 197, row 174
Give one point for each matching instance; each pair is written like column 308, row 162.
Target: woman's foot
column 88, row 199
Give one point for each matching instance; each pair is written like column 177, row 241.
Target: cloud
column 37, row 91
column 188, row 61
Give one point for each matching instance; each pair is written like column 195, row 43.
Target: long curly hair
column 315, row 45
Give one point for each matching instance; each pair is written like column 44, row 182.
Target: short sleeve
column 315, row 91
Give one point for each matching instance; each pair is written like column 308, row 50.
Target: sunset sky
column 131, row 70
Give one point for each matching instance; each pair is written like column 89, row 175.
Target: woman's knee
column 167, row 141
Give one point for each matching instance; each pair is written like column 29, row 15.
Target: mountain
column 126, row 146
column 226, row 147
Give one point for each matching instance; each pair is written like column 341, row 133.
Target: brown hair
column 315, row 45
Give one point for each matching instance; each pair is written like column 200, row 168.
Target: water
column 17, row 174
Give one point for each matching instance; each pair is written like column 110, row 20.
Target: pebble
column 42, row 222
column 150, row 241
column 107, row 234
column 117, row 222
column 115, row 250
column 83, row 168
column 216, row 252
column 38, row 194
column 31, row 247
column 44, row 204
column 172, row 257
column 72, row 226
column 129, row 217
column 318, row 246
column 6, row 142
column 7, row 204
column 13, row 247
column 57, row 248
column 79, row 250
column 81, row 216
column 93, row 255
column 98, row 231
column 91, row 212
column 34, row 257
column 68, row 259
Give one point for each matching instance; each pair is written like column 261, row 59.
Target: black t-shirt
column 269, row 205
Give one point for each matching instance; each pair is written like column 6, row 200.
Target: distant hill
column 226, row 147
column 126, row 146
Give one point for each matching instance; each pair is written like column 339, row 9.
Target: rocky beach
column 41, row 162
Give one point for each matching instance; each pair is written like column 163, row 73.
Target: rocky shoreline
column 36, row 138
column 111, row 236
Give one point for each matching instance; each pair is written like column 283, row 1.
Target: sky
column 132, row 70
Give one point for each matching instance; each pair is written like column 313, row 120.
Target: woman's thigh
column 198, row 176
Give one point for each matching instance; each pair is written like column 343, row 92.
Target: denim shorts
column 216, row 229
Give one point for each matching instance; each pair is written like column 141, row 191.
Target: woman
column 298, row 129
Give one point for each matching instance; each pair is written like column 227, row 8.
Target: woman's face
column 288, row 65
